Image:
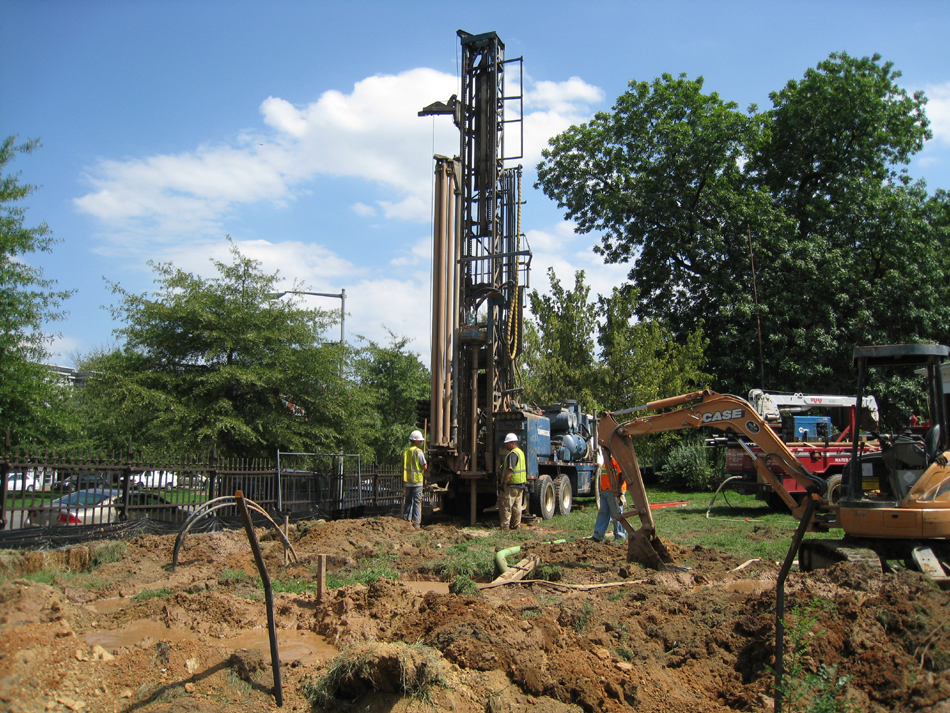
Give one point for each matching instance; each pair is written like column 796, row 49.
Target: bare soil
column 689, row 641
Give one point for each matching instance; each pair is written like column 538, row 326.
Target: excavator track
column 821, row 554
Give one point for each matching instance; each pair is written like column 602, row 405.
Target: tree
column 222, row 363
column 638, row 361
column 394, row 379
column 690, row 191
column 559, row 341
column 27, row 301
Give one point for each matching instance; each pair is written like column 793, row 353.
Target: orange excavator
column 906, row 519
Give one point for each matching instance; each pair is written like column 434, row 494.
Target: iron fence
column 49, row 497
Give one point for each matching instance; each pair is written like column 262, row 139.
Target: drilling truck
column 481, row 265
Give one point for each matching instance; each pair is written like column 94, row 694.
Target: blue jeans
column 609, row 509
column 412, row 508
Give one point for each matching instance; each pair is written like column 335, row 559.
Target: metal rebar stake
column 268, row 596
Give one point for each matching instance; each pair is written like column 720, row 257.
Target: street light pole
column 341, row 297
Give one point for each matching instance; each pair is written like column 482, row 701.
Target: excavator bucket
column 646, row 549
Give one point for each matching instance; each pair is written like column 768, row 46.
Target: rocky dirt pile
column 605, row 636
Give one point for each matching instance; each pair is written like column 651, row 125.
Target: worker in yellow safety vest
column 513, row 483
column 414, row 468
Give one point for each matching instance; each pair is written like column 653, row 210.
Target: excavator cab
column 903, row 459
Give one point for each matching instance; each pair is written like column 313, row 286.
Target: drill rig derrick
column 479, row 276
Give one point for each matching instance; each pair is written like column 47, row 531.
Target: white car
column 21, row 482
column 103, row 505
column 155, row 480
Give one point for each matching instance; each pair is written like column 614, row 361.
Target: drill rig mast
column 480, row 270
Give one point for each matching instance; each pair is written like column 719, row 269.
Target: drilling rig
column 481, row 266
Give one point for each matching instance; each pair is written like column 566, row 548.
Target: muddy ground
column 676, row 642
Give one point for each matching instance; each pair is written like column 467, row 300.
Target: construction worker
column 513, row 483
column 609, row 506
column 414, row 468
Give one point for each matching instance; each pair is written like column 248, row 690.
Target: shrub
column 691, row 466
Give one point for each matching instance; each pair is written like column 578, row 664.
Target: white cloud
column 938, row 111
column 176, row 207
column 373, row 134
column 420, row 254
column 376, row 307
column 559, row 247
column 552, row 107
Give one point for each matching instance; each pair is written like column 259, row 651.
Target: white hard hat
column 511, row 438
column 416, row 436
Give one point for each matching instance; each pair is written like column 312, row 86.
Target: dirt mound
column 595, row 634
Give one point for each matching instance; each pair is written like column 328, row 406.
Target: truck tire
column 544, row 498
column 565, row 495
column 833, row 494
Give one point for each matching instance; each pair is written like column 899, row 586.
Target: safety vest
column 519, row 473
column 411, row 470
column 605, row 478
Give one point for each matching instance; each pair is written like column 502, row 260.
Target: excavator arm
column 696, row 410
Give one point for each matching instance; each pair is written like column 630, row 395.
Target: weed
column 550, row 573
column 106, row 552
column 624, row 653
column 44, row 576
column 232, row 575
column 820, row 691
column 241, row 687
column 464, row 586
column 358, row 669
column 147, row 594
column 616, row 596
column 583, row 617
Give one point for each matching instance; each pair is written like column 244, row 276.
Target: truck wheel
column 833, row 495
column 565, row 495
column 544, row 498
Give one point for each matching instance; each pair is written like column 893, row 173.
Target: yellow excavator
column 906, row 519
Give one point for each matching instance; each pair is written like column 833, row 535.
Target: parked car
column 21, row 482
column 81, row 481
column 154, row 479
column 103, row 505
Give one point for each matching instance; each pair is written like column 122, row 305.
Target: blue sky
column 292, row 127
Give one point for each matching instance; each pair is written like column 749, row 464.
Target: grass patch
column 366, row 571
column 106, row 552
column 464, row 586
column 583, row 617
column 292, row 586
column 412, row 670
column 475, row 561
column 147, row 594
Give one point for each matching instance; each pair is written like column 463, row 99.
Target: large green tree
column 693, row 192
column 221, row 362
column 29, row 396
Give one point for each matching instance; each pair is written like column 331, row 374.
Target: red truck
column 811, row 439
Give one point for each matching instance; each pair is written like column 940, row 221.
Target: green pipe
column 500, row 564
column 501, row 556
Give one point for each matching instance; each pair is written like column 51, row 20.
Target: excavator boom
column 697, row 410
